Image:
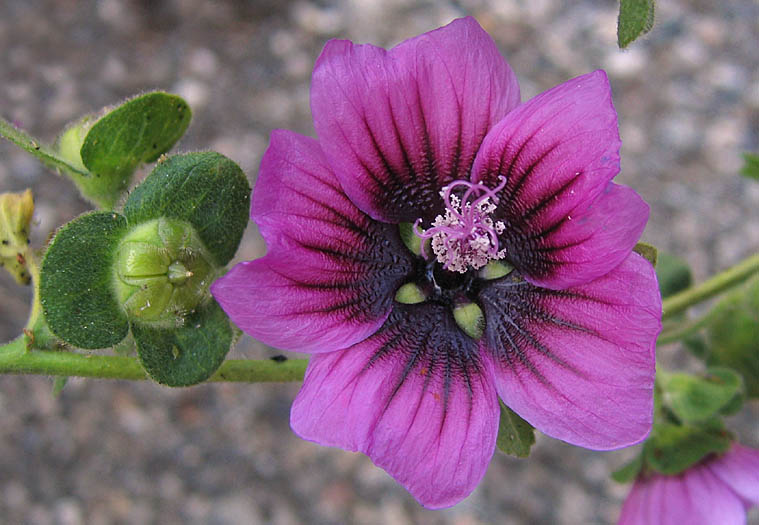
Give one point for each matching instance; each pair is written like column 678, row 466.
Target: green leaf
column 733, row 334
column 751, row 166
column 187, row 355
column 109, row 149
column 76, row 280
column 695, row 399
column 137, row 131
column 648, row 251
column 696, row 343
column 636, row 18
column 515, row 435
column 628, row 472
column 672, row 448
column 205, row 189
column 673, row 273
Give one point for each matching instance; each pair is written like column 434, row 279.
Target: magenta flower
column 523, row 232
column 718, row 490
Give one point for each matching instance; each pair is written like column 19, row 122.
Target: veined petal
column 695, row 497
column 331, row 273
column 558, row 152
column 587, row 245
column 578, row 364
column 398, row 125
column 739, row 469
column 298, row 198
column 414, row 397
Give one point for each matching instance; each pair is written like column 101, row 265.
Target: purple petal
column 558, row 152
column 578, row 364
column 414, row 397
column 739, row 469
column 398, row 125
column 331, row 273
column 695, row 497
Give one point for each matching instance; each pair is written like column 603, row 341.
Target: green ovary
column 162, row 272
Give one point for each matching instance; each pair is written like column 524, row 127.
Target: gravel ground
column 115, row 452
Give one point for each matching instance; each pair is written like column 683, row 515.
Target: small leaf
column 733, row 334
column 636, row 18
column 673, row 274
column 629, row 471
column 139, row 130
column 672, row 448
column 108, row 149
column 648, row 252
column 76, row 282
column 696, row 343
column 751, row 166
column 515, row 435
column 205, row 189
column 187, row 355
column 695, row 399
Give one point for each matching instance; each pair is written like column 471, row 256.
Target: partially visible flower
column 442, row 245
column 16, row 210
column 717, row 491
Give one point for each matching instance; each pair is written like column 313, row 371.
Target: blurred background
column 118, row 452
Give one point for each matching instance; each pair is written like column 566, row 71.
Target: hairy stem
column 717, row 284
column 37, row 149
column 16, row 359
column 683, row 330
column 34, row 272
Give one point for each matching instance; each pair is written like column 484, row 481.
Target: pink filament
column 464, row 223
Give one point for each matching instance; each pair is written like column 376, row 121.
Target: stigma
column 466, row 236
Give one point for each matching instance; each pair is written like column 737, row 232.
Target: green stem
column 36, row 148
column 683, row 330
column 680, row 302
column 16, row 359
column 34, row 272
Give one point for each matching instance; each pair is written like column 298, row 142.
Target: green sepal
column 636, row 18
column 515, row 435
column 412, row 241
column 629, row 471
column 648, row 251
column 673, row 273
column 470, row 319
column 189, row 354
column 75, row 282
column 673, row 448
column 750, row 168
column 410, row 293
column 495, row 270
column 207, row 190
column 694, row 399
column 733, row 334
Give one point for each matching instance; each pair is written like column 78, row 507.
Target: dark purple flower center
column 465, row 254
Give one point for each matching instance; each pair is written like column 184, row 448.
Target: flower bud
column 16, row 211
column 69, row 143
column 163, row 272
